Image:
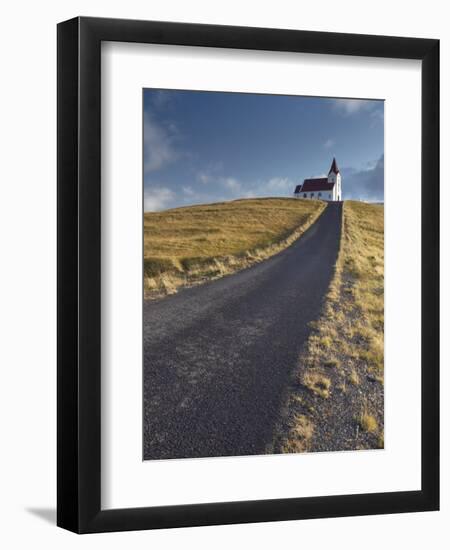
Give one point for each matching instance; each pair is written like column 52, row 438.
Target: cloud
column 329, row 143
column 204, row 177
column 210, row 173
column 157, row 198
column 159, row 147
column 188, row 191
column 273, row 187
column 364, row 184
column 215, row 182
column 160, row 197
column 348, row 107
column 277, row 186
column 231, row 183
column 161, row 98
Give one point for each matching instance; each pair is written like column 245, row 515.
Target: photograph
column 229, row 343
column 263, row 272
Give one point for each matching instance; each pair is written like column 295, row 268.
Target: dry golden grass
column 332, row 363
column 353, row 321
column 317, row 383
column 300, row 436
column 367, row 421
column 350, row 332
column 193, row 244
column 354, row 378
column 364, row 260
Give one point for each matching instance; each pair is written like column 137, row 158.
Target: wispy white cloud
column 351, row 106
column 160, row 197
column 273, row 187
column 329, row 143
column 162, row 98
column 210, row 173
column 159, row 148
column 204, row 177
column 222, row 186
column 231, row 183
column 249, row 195
column 276, row 186
column 157, row 198
column 188, row 191
column 237, row 188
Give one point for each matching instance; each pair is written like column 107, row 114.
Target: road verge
column 336, row 398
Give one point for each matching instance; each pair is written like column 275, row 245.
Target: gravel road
column 217, row 357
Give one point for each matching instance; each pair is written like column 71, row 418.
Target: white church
column 325, row 189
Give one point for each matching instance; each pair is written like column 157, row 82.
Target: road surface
column 218, row 357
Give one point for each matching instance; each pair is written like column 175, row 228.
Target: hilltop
column 189, row 245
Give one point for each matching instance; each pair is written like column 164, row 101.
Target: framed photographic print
column 248, row 291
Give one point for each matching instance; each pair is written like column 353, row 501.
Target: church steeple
column 334, row 167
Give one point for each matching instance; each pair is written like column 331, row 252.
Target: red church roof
column 316, row 184
column 334, row 167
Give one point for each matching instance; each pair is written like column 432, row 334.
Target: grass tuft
column 367, row 421
column 300, row 435
column 317, row 383
column 354, row 378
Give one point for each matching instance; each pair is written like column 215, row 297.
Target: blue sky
column 204, row 147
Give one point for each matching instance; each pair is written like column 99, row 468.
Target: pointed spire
column 334, row 167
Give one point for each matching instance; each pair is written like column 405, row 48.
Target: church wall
column 325, row 195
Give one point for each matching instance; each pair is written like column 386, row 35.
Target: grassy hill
column 336, row 400
column 190, row 245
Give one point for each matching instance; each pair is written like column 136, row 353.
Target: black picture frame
column 79, row 281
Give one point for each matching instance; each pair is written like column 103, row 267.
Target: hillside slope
column 190, row 245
